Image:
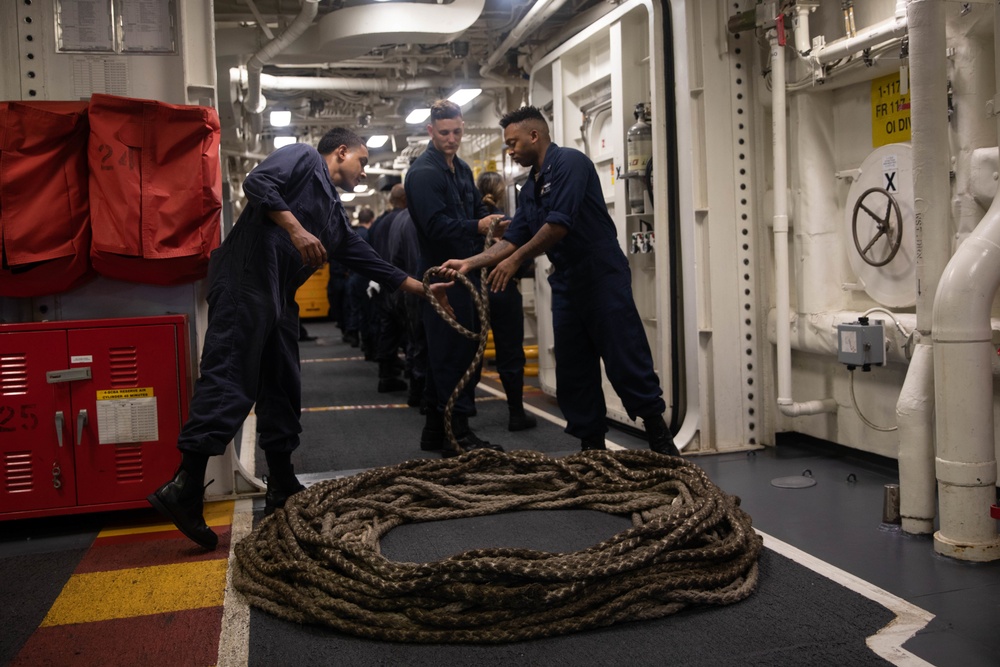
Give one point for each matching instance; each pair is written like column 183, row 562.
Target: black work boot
column 592, row 442
column 278, row 493
column 468, row 440
column 415, row 398
column 432, row 437
column 659, row 437
column 281, row 480
column 182, row 501
column 388, row 380
column 519, row 420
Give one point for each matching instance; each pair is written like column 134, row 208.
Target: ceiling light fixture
column 377, row 140
column 284, row 141
column 360, row 187
column 463, row 96
column 418, row 116
column 346, row 196
column 281, row 118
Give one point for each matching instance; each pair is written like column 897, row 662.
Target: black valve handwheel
column 886, row 226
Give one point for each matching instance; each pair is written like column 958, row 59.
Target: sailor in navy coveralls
column 451, row 221
column 293, row 223
column 561, row 212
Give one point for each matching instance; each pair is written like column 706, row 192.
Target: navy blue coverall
column 507, row 323
column 593, row 312
column 446, row 208
column 251, row 351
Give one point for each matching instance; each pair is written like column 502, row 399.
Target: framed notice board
column 116, row 26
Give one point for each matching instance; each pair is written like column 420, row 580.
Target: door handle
column 81, row 421
column 60, row 423
column 68, row 375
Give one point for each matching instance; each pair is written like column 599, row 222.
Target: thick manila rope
column 317, row 561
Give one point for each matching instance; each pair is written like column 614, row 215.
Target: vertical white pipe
column 966, row 465
column 915, row 417
column 801, row 27
column 780, row 228
column 931, row 151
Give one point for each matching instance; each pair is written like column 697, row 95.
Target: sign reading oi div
column 890, row 111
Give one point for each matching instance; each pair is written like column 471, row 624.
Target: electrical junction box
column 861, row 343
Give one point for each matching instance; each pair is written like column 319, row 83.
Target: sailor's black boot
column 519, row 420
column 415, row 399
column 281, row 480
column 182, row 501
column 388, row 378
column 432, row 437
column 659, row 437
column 468, row 440
column 592, row 442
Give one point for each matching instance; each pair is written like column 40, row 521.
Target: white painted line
column 234, row 639
column 248, row 443
column 887, row 642
column 544, row 415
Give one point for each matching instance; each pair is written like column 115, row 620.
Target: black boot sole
column 208, row 541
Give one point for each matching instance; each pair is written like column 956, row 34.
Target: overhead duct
column 536, row 16
column 254, row 102
column 384, row 85
column 352, row 32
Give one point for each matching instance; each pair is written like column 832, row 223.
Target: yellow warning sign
column 890, row 111
column 121, row 394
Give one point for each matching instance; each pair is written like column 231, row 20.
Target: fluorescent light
column 360, row 187
column 284, row 141
column 377, row 140
column 281, row 118
column 463, row 96
column 418, row 116
column 346, row 196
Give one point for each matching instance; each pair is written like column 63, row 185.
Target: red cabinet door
column 127, row 417
column 36, row 447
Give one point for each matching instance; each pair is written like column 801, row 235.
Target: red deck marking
column 145, row 549
column 177, row 638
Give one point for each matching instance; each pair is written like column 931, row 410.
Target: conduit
column 932, row 192
column 254, row 102
column 269, row 82
column 864, row 39
column 915, row 418
column 780, row 223
column 536, row 16
column 966, row 465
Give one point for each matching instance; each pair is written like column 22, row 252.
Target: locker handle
column 81, row 421
column 60, row 422
column 68, row 375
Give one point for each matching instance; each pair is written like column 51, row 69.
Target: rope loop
column 318, row 561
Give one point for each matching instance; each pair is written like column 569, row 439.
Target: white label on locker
column 82, row 359
column 127, row 420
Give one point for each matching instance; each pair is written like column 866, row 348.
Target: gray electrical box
column 861, row 343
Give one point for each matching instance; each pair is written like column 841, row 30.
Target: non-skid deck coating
column 52, row 571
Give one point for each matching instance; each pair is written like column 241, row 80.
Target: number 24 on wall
column 126, row 159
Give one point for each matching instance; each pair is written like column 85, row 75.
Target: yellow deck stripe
column 102, row 596
column 216, row 514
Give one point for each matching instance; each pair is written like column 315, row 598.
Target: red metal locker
column 128, row 413
column 35, row 444
column 100, row 402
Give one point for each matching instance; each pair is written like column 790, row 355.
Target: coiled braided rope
column 318, row 561
column 480, row 298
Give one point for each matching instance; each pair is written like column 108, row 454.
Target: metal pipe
column 866, row 38
column 536, row 16
column 780, row 228
column 254, row 101
column 966, row 465
column 915, row 419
